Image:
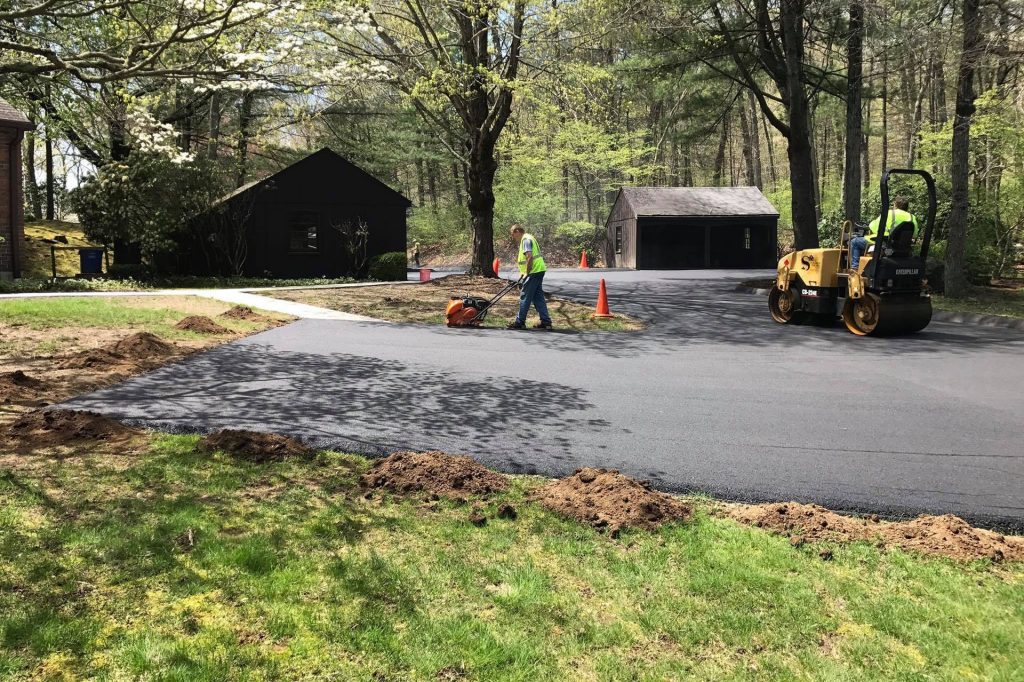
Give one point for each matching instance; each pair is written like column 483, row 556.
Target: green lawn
column 986, row 301
column 170, row 565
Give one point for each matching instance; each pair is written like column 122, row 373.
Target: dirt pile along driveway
column 142, row 346
column 201, row 324
column 435, row 473
column 47, row 428
column 608, row 500
column 19, row 388
column 945, row 535
column 243, row 312
column 254, row 446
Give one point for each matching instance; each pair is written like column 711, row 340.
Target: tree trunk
column 215, row 117
column 480, row 186
column 885, row 112
column 31, row 183
column 723, row 139
column 755, row 141
column 50, row 185
column 854, row 112
column 242, row 146
column 432, row 183
column 799, row 150
column 956, row 247
column 748, row 147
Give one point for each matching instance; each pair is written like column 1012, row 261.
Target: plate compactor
column 886, row 295
column 470, row 311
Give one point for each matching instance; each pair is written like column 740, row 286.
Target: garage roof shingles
column 10, row 116
column 698, row 201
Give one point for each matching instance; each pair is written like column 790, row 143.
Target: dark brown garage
column 682, row 228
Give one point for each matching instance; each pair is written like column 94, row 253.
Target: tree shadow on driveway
column 353, row 403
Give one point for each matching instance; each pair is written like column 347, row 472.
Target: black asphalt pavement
column 713, row 397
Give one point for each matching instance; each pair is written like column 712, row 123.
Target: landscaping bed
column 426, row 302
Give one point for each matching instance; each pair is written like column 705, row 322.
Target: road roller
column 886, row 295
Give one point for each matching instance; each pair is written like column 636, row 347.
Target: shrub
column 580, row 236
column 128, row 271
column 388, row 267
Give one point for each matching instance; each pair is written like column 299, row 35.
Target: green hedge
column 389, row 267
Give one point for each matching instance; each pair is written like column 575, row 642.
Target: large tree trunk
column 799, row 149
column 755, row 141
column 854, row 123
column 480, row 185
column 723, row 139
column 748, row 147
column 50, row 180
column 956, row 247
column 35, row 199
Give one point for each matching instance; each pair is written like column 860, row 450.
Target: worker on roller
column 897, row 216
column 532, row 268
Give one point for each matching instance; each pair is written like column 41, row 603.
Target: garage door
column 664, row 246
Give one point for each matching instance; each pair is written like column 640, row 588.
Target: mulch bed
column 946, row 535
column 254, row 446
column 435, row 473
column 609, row 500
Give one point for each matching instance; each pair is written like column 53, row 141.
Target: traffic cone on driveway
column 583, row 261
column 602, row 312
column 496, row 265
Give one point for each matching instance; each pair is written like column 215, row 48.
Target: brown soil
column 18, row 387
column 608, row 500
column 201, row 324
column 946, row 535
column 46, row 428
column 254, row 445
column 142, row 346
column 436, row 473
column 94, row 358
column 243, row 312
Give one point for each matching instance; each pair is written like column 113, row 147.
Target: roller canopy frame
column 926, row 238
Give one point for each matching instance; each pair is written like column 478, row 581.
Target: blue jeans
column 858, row 245
column 533, row 292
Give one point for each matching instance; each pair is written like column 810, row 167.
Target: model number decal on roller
column 907, row 271
column 809, row 292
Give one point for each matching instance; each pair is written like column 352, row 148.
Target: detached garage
column 680, row 228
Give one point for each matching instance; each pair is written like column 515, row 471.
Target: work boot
column 515, row 324
column 543, row 325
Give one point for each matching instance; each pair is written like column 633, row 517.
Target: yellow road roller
column 886, row 295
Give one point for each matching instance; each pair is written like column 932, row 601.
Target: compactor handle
column 929, row 226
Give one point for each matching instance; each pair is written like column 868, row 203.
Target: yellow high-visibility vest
column 896, row 216
column 538, row 260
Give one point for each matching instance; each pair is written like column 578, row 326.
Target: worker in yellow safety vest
column 532, row 267
column 897, row 216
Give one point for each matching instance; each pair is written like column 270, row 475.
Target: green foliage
column 389, row 267
column 582, row 236
column 447, row 227
column 146, row 199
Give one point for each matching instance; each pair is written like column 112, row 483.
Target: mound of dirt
column 608, row 500
column 141, row 346
column 66, row 427
column 437, row 473
column 201, row 325
column 94, row 358
column 254, row 445
column 242, row 312
column 945, row 535
column 18, row 387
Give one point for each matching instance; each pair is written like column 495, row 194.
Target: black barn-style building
column 300, row 222
column 677, row 228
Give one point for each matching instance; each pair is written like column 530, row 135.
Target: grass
column 153, row 314
column 37, row 264
column 170, row 565
column 1006, row 301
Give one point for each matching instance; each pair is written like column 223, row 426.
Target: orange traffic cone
column 496, row 265
column 602, row 312
column 583, row 261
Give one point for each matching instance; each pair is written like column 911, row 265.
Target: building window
column 618, row 239
column 302, row 232
column 746, row 238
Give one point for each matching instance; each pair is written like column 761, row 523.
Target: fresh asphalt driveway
column 713, row 397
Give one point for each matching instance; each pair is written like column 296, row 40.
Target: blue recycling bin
column 91, row 261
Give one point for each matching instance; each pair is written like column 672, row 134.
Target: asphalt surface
column 713, row 397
